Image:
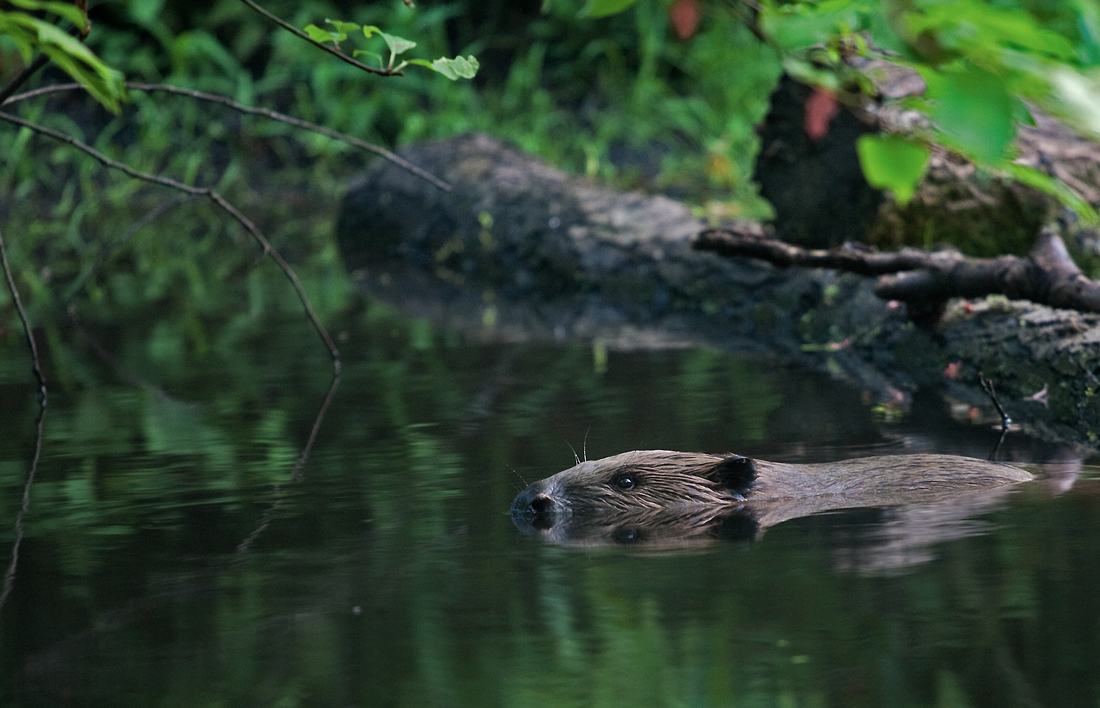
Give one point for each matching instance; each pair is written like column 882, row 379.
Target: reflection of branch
column 296, row 473
column 1046, row 276
column 266, row 113
column 334, row 52
column 9, row 577
column 215, row 197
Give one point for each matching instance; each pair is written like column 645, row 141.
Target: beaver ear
column 736, row 473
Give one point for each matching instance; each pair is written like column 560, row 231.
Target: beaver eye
column 624, row 481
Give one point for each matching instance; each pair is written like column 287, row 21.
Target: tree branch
column 1046, row 276
column 331, row 50
column 209, row 193
column 36, row 364
column 264, row 112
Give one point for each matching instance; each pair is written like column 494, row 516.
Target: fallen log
column 520, row 250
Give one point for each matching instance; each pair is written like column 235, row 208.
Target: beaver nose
column 532, row 506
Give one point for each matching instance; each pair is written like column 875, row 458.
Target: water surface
column 170, row 558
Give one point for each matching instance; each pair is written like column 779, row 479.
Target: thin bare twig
column 264, row 112
column 209, row 193
column 334, row 52
column 1006, row 422
column 987, row 386
column 36, row 363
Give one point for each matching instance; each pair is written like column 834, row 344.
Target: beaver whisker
column 576, row 459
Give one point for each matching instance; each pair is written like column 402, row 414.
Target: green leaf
column 892, row 162
column 343, row 27
column 370, row 30
column 978, row 28
column 146, row 12
column 107, row 87
column 812, row 74
column 67, row 10
column 1077, row 98
column 11, row 28
column 799, row 26
column 365, row 53
column 53, row 35
column 453, row 69
column 30, row 33
column 1088, row 24
column 603, row 8
column 321, row 35
column 397, row 45
column 974, row 108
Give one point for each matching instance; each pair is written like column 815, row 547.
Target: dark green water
column 169, row 559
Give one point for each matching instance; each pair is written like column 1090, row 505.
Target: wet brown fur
column 663, row 480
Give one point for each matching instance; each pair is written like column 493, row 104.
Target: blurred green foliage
column 32, row 34
column 617, row 99
column 986, row 64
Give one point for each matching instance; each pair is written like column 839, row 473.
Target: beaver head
column 637, row 481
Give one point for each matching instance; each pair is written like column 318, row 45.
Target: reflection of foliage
column 191, row 428
column 392, row 575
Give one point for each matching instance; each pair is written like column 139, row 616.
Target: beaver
column 657, row 485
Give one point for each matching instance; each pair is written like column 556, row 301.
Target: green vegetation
column 587, row 85
column 985, row 65
column 616, row 99
column 389, row 574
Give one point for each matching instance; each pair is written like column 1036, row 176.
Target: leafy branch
column 454, row 69
column 33, row 35
column 331, row 50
